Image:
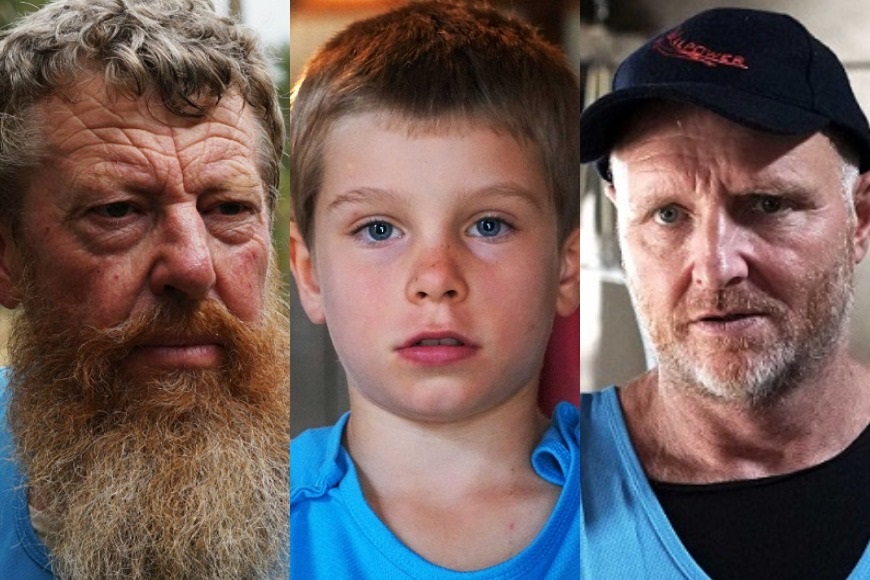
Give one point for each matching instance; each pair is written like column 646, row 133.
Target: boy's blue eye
column 488, row 227
column 379, row 231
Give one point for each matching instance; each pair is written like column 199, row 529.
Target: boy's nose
column 183, row 262
column 437, row 276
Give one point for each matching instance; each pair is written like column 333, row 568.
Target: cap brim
column 601, row 124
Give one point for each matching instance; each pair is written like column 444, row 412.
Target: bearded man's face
column 149, row 384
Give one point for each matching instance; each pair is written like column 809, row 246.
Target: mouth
column 729, row 317
column 436, row 349
column 436, row 339
column 728, row 323
column 179, row 352
column 447, row 341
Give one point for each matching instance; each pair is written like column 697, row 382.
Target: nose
column 720, row 248
column 436, row 274
column 183, row 265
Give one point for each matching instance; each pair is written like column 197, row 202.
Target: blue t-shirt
column 22, row 554
column 625, row 531
column 335, row 534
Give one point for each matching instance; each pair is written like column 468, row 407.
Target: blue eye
column 668, row 214
column 379, row 231
column 488, row 227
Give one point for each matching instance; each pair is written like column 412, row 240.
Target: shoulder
column 6, row 444
column 597, row 405
column 557, row 455
column 317, row 460
column 22, row 555
column 603, row 431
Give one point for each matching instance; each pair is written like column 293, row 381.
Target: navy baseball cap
column 761, row 69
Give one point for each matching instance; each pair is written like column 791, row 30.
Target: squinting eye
column 379, row 231
column 667, row 215
column 116, row 210
column 231, row 208
column 769, row 204
column 488, row 227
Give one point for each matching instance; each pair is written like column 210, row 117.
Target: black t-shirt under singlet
column 813, row 524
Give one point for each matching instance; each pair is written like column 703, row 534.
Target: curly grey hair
column 181, row 51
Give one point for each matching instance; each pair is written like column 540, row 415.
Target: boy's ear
column 862, row 212
column 305, row 273
column 10, row 296
column 569, row 279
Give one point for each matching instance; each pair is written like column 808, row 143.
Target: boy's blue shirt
column 22, row 555
column 335, row 534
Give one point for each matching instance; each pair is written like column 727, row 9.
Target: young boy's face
column 436, row 265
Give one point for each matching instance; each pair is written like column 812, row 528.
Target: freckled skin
column 133, row 206
column 435, row 272
column 451, row 232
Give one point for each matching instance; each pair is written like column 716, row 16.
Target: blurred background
column 318, row 388
column 611, row 346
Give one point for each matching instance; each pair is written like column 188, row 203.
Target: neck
column 397, row 456
column 682, row 436
column 442, row 487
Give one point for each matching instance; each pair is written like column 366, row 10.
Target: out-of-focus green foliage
column 10, row 9
column 282, row 217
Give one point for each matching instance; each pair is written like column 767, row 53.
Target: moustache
column 728, row 301
column 104, row 351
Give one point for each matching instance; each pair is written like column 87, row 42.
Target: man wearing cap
column 735, row 154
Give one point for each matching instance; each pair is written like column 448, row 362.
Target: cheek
column 526, row 290
column 354, row 302
column 102, row 294
column 241, row 280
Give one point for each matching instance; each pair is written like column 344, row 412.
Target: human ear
column 10, row 296
column 305, row 273
column 568, row 299
column 861, row 199
column 610, row 192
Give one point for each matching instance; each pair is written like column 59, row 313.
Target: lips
column 728, row 317
column 448, row 341
column 180, row 341
column 738, row 324
column 174, row 352
column 435, row 339
column 436, row 349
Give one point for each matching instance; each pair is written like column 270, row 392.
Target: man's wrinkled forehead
column 658, row 121
column 655, row 118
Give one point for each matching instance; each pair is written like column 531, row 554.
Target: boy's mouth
column 448, row 341
column 436, row 339
column 437, row 349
